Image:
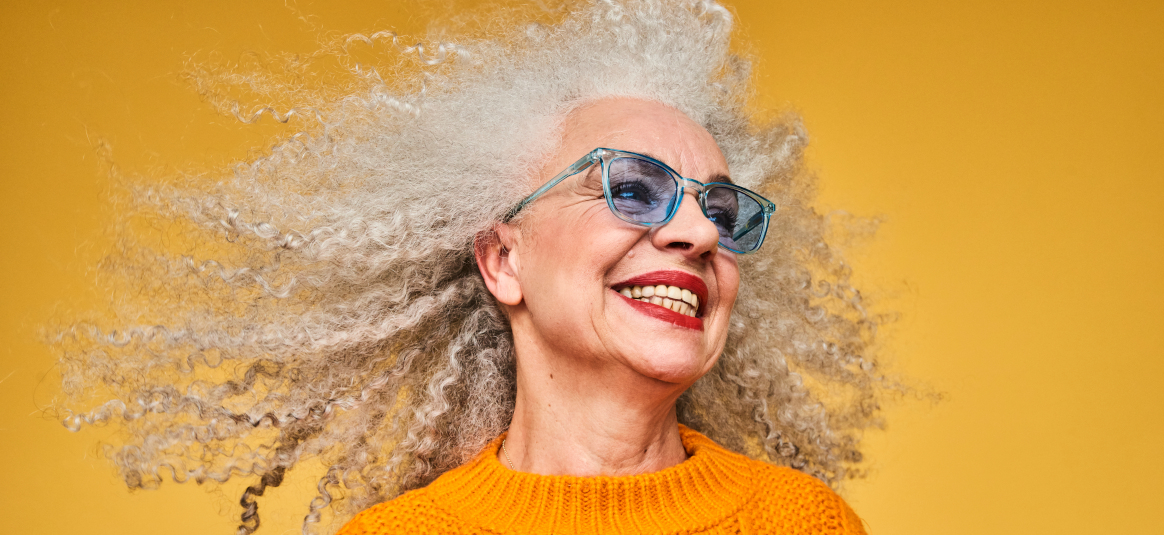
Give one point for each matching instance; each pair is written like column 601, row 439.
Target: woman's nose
column 689, row 231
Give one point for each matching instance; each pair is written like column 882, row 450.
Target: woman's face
column 571, row 256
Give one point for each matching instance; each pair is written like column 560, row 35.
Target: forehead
column 645, row 127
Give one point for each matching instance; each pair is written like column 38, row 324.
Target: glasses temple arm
column 577, row 167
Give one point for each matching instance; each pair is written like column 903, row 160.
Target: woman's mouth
column 672, row 296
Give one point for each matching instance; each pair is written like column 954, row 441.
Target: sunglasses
column 644, row 191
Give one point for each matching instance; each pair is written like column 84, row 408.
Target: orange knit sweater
column 713, row 491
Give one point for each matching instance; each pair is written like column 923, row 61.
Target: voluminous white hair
column 322, row 301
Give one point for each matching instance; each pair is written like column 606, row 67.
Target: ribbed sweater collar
column 698, row 493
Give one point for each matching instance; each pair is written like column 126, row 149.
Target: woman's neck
column 587, row 422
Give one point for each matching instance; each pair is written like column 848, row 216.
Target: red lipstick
column 658, row 312
column 667, row 278
column 681, row 279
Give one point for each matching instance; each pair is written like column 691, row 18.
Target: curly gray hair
column 322, row 301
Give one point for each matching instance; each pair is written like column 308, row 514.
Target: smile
column 677, row 299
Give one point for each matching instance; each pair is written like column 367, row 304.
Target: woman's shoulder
column 786, row 500
column 411, row 512
column 776, row 499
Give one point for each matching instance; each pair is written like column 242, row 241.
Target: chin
column 665, row 351
column 671, row 367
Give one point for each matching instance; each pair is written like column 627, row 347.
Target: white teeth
column 673, row 298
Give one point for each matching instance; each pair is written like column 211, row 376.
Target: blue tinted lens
column 641, row 190
column 738, row 217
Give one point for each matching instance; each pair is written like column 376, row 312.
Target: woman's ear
column 498, row 263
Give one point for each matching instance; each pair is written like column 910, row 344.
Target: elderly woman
column 554, row 279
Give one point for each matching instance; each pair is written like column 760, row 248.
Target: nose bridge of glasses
column 695, row 187
column 699, row 186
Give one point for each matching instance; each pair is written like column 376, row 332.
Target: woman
column 503, row 283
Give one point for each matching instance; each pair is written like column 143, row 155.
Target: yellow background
column 1013, row 149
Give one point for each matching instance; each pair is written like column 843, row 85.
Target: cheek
column 728, row 276
column 574, row 251
column 587, row 240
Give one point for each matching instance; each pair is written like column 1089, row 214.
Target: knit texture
column 713, row 491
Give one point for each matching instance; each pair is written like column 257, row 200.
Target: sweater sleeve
column 412, row 512
column 368, row 522
column 790, row 502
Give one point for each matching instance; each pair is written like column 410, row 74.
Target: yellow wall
column 1013, row 149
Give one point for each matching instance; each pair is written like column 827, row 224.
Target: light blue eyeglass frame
column 604, row 156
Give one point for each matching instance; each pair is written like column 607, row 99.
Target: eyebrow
column 715, row 178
